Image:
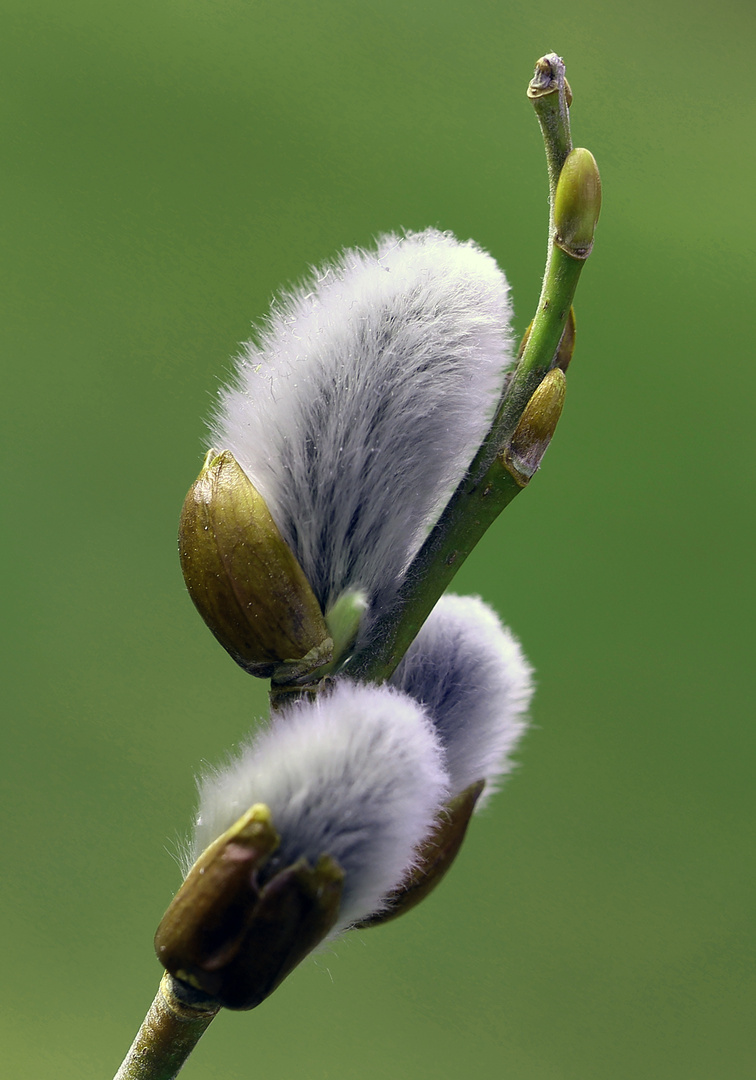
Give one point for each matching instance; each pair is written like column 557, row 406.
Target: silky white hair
column 356, row 774
column 469, row 672
column 362, row 772
column 364, row 398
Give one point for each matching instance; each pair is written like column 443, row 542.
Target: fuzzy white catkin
column 363, row 401
column 357, row 774
column 470, row 673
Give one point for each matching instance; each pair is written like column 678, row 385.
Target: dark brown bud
column 434, row 857
column 235, row 936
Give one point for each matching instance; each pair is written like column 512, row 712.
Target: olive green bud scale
column 523, row 454
column 577, row 203
column 242, row 576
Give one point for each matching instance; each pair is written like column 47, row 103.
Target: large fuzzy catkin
column 363, row 400
column 469, row 672
column 356, row 774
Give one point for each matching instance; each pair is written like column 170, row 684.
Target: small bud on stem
column 523, row 455
column 577, row 203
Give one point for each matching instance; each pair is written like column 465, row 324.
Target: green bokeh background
column 165, row 167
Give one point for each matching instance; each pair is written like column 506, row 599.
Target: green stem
column 557, row 292
column 171, row 1030
column 551, row 96
column 472, row 508
column 489, row 486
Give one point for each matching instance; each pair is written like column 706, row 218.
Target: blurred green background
column 165, row 167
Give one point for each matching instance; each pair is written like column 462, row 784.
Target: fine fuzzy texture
column 361, row 404
column 471, row 675
column 356, row 774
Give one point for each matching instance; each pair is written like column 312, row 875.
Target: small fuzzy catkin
column 469, row 672
column 356, row 774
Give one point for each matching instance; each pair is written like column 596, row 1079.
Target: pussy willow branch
column 175, row 1022
column 170, row 1032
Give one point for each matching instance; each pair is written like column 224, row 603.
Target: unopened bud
column 243, row 577
column 577, row 203
column 566, row 343
column 525, row 338
column 235, row 933
column 536, row 427
column 433, row 859
column 343, row 620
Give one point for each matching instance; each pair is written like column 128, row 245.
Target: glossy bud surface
column 243, row 577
